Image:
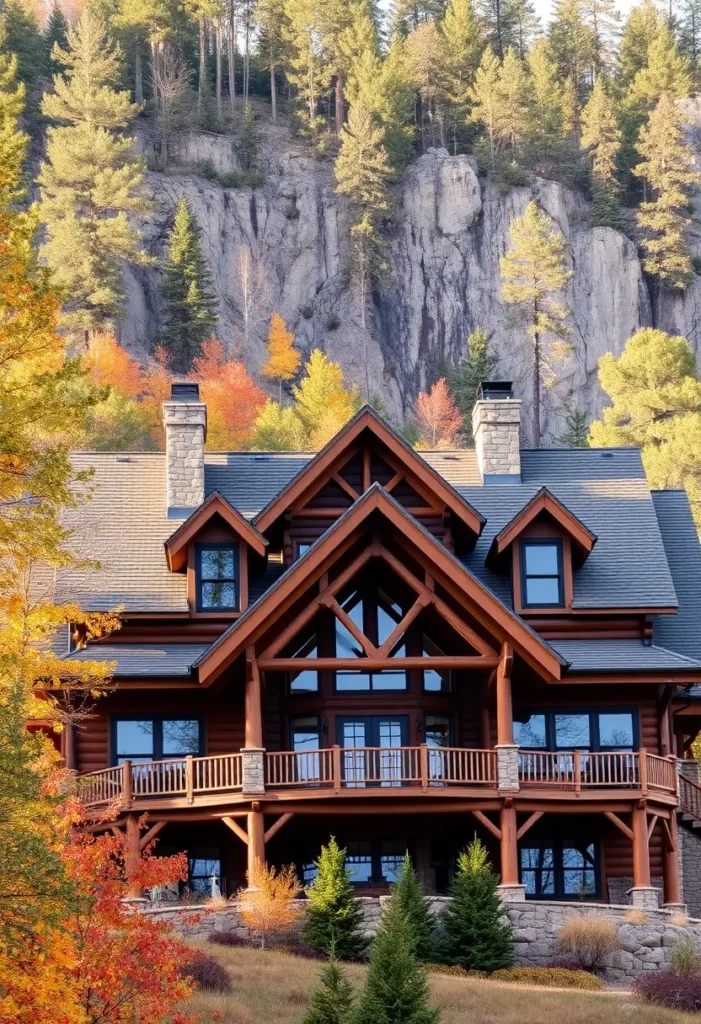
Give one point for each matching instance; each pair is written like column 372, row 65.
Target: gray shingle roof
column 133, row 660
column 619, row 656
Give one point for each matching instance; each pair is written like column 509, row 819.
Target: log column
column 132, row 858
column 256, row 838
column 642, row 894
column 507, row 750
column 510, row 890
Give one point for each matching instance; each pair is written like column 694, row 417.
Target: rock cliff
column 284, row 247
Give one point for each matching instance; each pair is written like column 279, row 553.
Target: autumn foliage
column 437, row 418
column 283, row 359
column 233, row 398
column 267, row 907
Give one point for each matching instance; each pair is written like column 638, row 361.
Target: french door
column 371, row 754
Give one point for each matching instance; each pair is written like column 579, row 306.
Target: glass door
column 370, row 754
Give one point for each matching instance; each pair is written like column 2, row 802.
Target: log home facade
column 401, row 649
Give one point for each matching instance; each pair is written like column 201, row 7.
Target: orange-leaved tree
column 233, row 398
column 437, row 418
column 267, row 907
column 283, row 359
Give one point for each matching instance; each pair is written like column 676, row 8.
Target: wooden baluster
column 423, row 758
column 642, row 761
column 336, row 768
column 189, row 788
column 126, row 785
column 577, row 771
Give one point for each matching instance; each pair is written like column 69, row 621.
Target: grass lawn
column 272, row 988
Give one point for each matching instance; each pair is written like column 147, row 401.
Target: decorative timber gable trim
column 361, row 438
column 545, row 503
column 215, row 505
column 435, row 576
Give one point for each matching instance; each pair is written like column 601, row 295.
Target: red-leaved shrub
column 673, row 989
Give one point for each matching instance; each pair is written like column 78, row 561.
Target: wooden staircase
column 689, row 812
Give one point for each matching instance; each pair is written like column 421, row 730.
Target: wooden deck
column 379, row 772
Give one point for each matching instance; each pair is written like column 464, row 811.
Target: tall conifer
column 601, row 136
column 333, row 917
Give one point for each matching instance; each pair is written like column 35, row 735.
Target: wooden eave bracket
column 544, row 502
column 215, row 504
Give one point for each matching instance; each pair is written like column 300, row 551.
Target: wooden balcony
column 376, row 772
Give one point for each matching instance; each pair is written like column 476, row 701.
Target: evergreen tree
column 56, row 34
column 333, row 917
column 189, row 313
column 477, row 932
column 603, row 19
column 91, row 182
column 414, row 906
column 307, row 69
column 250, row 139
column 573, row 45
column 478, row 365
column 690, row 35
column 397, row 986
column 498, row 19
column 512, row 122
column 332, row 1002
column 576, row 433
column 667, row 170
column 424, row 60
column 486, row 100
column 640, row 29
column 462, row 44
column 533, row 272
column 272, row 21
column 601, row 136
column 24, row 39
column 525, row 25
column 13, row 142
column 545, row 129
column 362, row 174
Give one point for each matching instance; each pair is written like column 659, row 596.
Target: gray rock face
column 284, row 247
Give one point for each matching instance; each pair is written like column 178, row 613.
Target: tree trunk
column 231, row 37
column 246, row 56
column 536, row 390
column 203, row 66
column 154, row 71
column 138, row 72
column 340, row 104
column 273, row 89
column 218, row 49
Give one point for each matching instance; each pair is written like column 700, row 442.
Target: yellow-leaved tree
column 267, row 906
column 283, row 358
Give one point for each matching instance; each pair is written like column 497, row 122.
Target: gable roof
column 213, row 505
column 368, row 420
column 256, row 620
column 545, row 502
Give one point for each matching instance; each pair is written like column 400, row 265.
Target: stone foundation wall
column 690, row 856
column 645, row 940
column 618, row 889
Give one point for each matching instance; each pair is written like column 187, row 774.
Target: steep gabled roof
column 545, row 502
column 304, row 572
column 213, row 505
column 367, row 420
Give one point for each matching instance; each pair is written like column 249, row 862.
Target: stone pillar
column 496, row 424
column 185, row 423
column 507, row 766
column 253, row 771
column 510, row 890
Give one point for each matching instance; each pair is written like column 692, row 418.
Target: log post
column 132, row 857
column 642, row 894
column 510, row 890
column 253, row 702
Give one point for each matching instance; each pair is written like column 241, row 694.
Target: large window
column 305, row 740
column 560, row 869
column 376, row 616
column 307, row 680
column 217, row 577
column 155, row 738
column 588, row 729
column 204, row 865
column 542, row 584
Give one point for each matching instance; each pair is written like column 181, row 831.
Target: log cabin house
column 398, row 648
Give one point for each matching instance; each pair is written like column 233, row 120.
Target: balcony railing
column 386, row 767
column 184, row 778
column 690, row 797
column 580, row 770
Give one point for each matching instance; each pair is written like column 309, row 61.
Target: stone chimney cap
column 491, row 390
column 184, row 391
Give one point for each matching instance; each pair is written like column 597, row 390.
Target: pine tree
column 414, row 906
column 666, row 71
column 512, row 122
column 478, row 365
column 250, row 139
column 189, row 313
column 601, row 136
column 603, row 19
column 56, row 34
column 462, row 45
column 333, row 918
column 498, row 19
column 23, row 38
column 533, row 272
column 271, row 19
column 664, row 219
column 576, row 433
column 283, row 359
column 545, row 128
column 640, row 29
column 424, row 58
column 91, row 182
column 573, row 48
column 477, row 933
column 332, row 1002
column 690, row 35
column 13, row 142
column 485, row 99
column 362, row 174
column 396, row 991
column 307, row 70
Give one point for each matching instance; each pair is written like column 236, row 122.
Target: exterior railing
column 187, row 777
column 361, row 767
column 690, row 797
column 581, row 769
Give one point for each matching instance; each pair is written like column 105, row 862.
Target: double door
column 373, row 750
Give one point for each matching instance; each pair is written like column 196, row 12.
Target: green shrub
column 242, row 179
column 332, row 1001
column 556, row 977
column 415, row 909
column 206, row 169
column 477, row 933
column 684, row 956
column 333, row 917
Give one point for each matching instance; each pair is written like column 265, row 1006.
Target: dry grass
column 273, row 987
column 637, row 916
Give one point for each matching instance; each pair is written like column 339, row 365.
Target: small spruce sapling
column 414, row 906
column 333, row 915
column 332, row 1002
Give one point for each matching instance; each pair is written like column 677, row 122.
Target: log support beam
column 132, row 857
column 256, row 840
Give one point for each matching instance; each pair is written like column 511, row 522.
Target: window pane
column 181, row 737
column 359, row 868
column 391, row 859
column 616, row 730
column 346, row 644
column 386, row 624
column 531, row 734
column 305, row 682
column 542, row 591
column 352, row 680
column 389, row 680
column 305, row 733
column 572, row 732
column 302, row 548
column 541, row 560
column 217, row 564
column 218, row 595
column 135, row 738
column 309, row 872
column 538, row 870
column 437, row 730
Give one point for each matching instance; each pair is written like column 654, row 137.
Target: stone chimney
column 496, row 423
column 185, row 422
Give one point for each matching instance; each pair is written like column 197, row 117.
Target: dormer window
column 542, row 576
column 217, row 577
